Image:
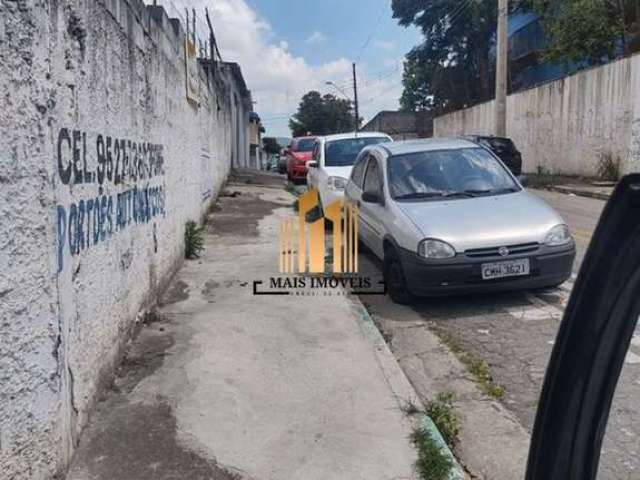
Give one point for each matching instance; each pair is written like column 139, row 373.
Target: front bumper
column 329, row 196
column 462, row 274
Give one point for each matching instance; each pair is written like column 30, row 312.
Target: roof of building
column 519, row 20
column 401, row 122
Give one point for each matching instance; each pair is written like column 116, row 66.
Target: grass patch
column 193, row 240
column 441, row 412
column 443, row 415
column 432, row 463
column 476, row 366
column 542, row 178
column 292, row 189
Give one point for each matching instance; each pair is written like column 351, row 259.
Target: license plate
column 510, row 268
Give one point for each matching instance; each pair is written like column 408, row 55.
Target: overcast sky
column 288, row 47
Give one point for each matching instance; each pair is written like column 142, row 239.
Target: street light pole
column 502, row 52
column 331, row 84
column 355, row 98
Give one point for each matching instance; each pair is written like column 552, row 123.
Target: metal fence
column 186, row 17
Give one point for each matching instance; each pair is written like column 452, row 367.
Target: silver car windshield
column 467, row 172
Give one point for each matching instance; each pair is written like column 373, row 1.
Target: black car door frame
column 591, row 346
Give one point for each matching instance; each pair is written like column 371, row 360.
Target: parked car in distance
column 447, row 217
column 282, row 161
column 333, row 159
column 299, row 153
column 272, row 163
column 504, row 148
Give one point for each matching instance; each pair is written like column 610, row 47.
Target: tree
column 270, row 145
column 452, row 68
column 590, row 30
column 322, row 115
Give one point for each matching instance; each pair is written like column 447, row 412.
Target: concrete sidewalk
column 224, row 384
column 600, row 192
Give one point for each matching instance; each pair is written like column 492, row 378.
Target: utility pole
column 502, row 62
column 355, row 98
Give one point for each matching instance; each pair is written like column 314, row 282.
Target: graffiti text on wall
column 134, row 169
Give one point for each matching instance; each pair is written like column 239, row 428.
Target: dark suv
column 503, row 148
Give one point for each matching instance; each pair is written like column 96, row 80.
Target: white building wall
column 93, row 113
column 566, row 125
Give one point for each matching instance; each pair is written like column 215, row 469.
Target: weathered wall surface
column 102, row 161
column 566, row 125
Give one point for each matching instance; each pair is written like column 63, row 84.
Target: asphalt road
column 515, row 333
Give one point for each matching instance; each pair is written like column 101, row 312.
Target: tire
column 395, row 279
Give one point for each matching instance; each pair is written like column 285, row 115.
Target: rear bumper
column 298, row 172
column 462, row 275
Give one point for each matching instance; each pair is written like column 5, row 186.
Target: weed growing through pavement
column 291, row 188
column 193, row 240
column 476, row 366
column 542, row 178
column 432, row 463
column 441, row 411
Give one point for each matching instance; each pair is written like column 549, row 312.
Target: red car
column 300, row 151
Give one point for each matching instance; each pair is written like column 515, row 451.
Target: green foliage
column 451, row 69
column 193, row 240
column 476, row 366
column 580, row 30
column 270, row 145
column 443, row 415
column 291, row 188
column 322, row 115
column 432, row 463
column 543, row 178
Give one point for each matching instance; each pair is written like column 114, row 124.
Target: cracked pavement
column 514, row 334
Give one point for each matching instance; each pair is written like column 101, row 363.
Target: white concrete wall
column 93, row 112
column 565, row 125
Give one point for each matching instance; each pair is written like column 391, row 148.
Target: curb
column 402, row 389
column 580, row 193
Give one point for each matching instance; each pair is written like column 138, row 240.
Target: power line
column 365, row 45
column 381, row 94
column 458, row 15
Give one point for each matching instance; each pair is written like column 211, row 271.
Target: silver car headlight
column 337, row 183
column 431, row 248
column 558, row 235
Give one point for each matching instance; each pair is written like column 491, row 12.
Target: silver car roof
column 425, row 145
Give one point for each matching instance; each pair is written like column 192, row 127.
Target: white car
column 446, row 216
column 333, row 159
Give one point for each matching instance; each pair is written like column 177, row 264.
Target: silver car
column 447, row 217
